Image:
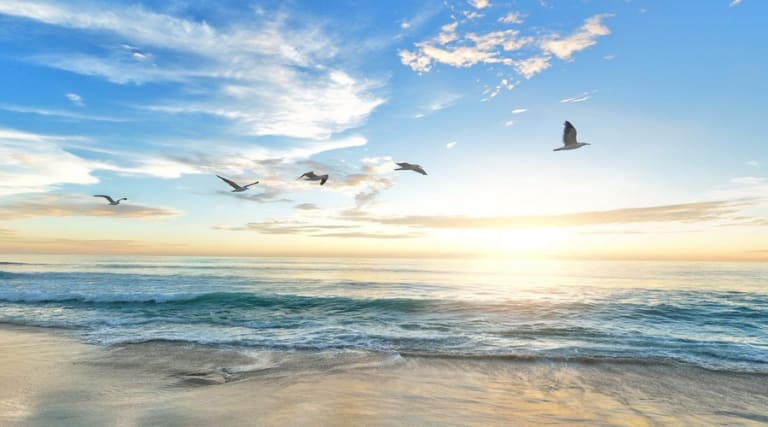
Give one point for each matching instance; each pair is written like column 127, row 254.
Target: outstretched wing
column 569, row 134
column 420, row 170
column 307, row 174
column 104, row 196
column 403, row 164
column 248, row 185
column 323, row 179
column 232, row 184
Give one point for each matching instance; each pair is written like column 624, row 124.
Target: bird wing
column 309, row 174
column 569, row 134
column 233, row 184
column 248, row 185
column 420, row 170
column 403, row 164
column 104, row 196
column 323, row 179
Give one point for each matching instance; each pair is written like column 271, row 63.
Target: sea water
column 711, row 315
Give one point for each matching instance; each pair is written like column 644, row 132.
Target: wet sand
column 50, row 379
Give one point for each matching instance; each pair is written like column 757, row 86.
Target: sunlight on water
column 713, row 315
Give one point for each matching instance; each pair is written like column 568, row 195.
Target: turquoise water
column 712, row 315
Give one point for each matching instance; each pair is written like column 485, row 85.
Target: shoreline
column 52, row 379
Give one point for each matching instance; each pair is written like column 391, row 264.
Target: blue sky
column 150, row 100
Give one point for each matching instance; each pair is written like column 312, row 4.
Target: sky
column 151, row 100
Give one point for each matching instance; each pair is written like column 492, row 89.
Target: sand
column 51, row 379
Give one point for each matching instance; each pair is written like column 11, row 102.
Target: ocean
column 710, row 315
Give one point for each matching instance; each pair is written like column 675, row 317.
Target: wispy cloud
column 311, row 229
column 512, row 18
column 285, row 227
column 714, row 211
column 586, row 36
column 76, row 99
column 266, row 78
column 519, row 110
column 440, row 102
column 60, row 113
column 307, row 207
column 579, row 98
column 363, row 235
column 451, row 144
column 735, row 3
column 55, row 205
column 748, row 180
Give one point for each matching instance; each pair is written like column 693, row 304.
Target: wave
column 732, row 309
column 229, row 300
column 339, row 353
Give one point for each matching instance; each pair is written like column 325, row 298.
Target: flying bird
column 569, row 138
column 312, row 176
column 410, row 167
column 111, row 201
column 237, row 187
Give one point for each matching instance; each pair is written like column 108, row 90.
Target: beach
column 52, row 379
column 186, row 341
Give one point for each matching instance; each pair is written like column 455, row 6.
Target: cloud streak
column 679, row 213
column 57, row 205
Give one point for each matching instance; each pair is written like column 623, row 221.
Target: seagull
column 111, row 201
column 312, row 176
column 569, row 138
column 236, row 186
column 410, row 167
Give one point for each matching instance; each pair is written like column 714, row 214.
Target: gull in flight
column 569, row 138
column 111, row 201
column 312, row 176
column 410, row 167
column 237, row 187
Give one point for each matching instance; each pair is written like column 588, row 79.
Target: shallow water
column 711, row 315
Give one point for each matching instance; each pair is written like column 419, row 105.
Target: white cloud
column 75, row 99
column 532, row 66
column 519, row 110
column 297, row 93
column 479, row 4
column 512, row 18
column 37, row 163
column 527, row 55
column 405, row 25
column 478, row 48
column 735, row 3
column 509, row 123
column 451, row 144
column 298, row 109
column 580, row 98
column 585, row 37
